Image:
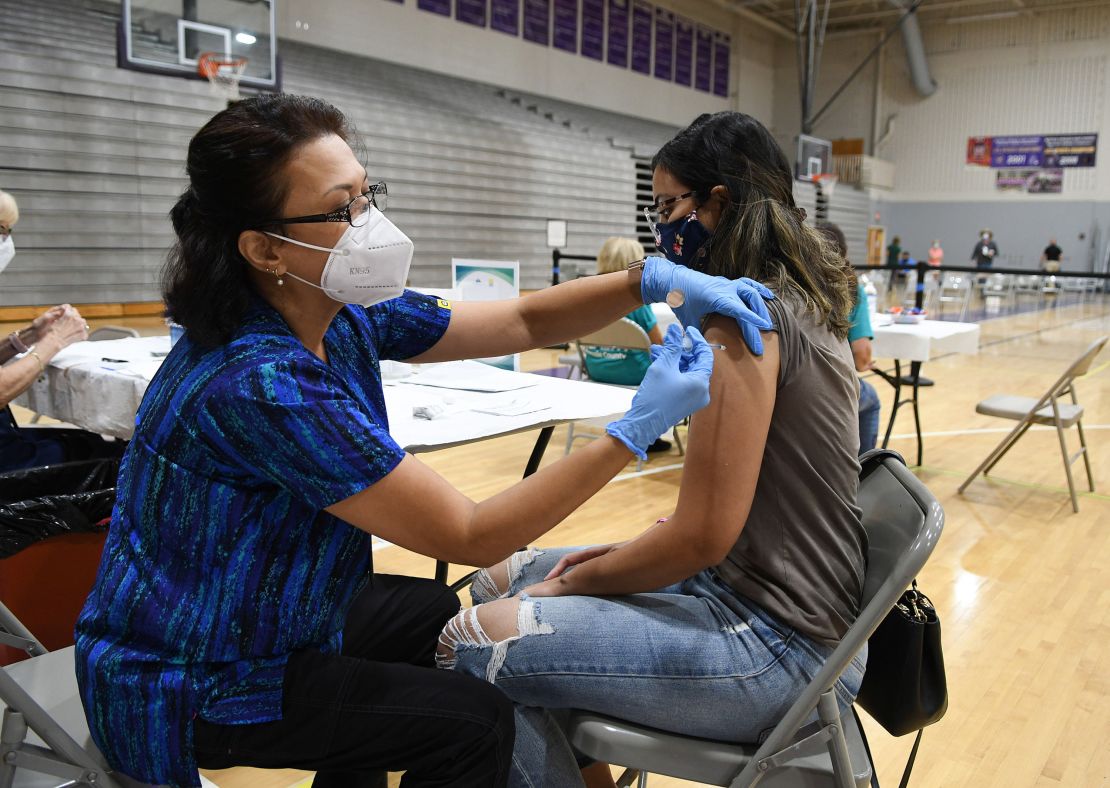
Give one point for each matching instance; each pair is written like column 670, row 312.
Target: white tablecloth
column 922, row 341
column 98, row 386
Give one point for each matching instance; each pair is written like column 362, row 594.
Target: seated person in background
column 711, row 623
column 616, row 365
column 58, row 327
column 859, row 338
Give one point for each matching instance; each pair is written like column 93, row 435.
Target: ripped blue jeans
column 693, row 658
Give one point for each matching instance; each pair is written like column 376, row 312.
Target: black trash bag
column 70, row 497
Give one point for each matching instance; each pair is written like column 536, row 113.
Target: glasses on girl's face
column 660, row 212
column 355, row 213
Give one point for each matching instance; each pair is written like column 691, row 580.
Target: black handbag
column 904, row 688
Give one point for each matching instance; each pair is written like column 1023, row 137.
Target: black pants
column 379, row 706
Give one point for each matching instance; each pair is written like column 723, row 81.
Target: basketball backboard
column 168, row 36
column 814, row 156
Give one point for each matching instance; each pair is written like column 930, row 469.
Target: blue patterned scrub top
column 220, row 561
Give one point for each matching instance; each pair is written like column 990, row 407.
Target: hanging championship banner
column 1033, row 151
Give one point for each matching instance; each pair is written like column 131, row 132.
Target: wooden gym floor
column 1017, row 578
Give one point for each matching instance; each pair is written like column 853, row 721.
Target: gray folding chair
column 903, row 521
column 112, row 332
column 44, row 738
column 1048, row 410
column 624, row 335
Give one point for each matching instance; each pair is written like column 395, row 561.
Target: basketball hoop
column 223, row 73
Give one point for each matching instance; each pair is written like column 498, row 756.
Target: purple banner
column 1031, row 151
column 505, row 16
column 618, row 33
column 641, row 37
column 473, row 12
column 1070, row 150
column 566, row 25
column 593, row 29
column 683, row 51
column 721, row 45
column 1027, row 151
column 664, row 44
column 704, row 65
column 536, row 24
column 435, row 6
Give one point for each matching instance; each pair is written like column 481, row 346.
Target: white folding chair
column 1001, row 288
column 1047, row 410
column 955, row 289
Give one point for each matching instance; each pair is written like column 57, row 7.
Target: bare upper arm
column 727, row 439
column 478, row 329
column 655, row 335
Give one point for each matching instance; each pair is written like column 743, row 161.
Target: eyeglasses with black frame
column 659, row 212
column 355, row 213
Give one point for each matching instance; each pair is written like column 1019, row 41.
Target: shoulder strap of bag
column 867, row 748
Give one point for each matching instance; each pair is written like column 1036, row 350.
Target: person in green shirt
column 615, row 365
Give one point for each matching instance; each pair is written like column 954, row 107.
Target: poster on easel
column 488, row 280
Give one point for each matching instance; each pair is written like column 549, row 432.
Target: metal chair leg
column 1010, row 443
column 570, row 437
column 1067, row 462
column 996, row 454
column 1086, row 456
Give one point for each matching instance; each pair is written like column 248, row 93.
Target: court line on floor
column 988, row 430
column 1013, row 482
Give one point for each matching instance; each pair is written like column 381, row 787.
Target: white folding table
column 917, row 343
column 98, row 386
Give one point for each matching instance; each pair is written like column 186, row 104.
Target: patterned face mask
column 684, row 241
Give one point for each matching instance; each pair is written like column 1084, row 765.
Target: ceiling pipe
column 915, row 52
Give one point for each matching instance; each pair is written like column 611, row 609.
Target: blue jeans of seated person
column 869, row 406
column 693, row 658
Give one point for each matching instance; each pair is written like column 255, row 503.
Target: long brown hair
column 761, row 233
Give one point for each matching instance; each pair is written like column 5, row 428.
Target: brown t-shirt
column 801, row 554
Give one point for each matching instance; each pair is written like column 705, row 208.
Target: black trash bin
column 53, row 521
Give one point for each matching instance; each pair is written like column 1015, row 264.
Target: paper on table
column 511, row 407
column 470, row 376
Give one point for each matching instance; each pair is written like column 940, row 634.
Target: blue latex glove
column 676, row 385
column 703, row 295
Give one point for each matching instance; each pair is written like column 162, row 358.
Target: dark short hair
column 235, row 164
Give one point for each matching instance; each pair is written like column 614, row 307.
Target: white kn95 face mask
column 7, row 252
column 368, row 265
